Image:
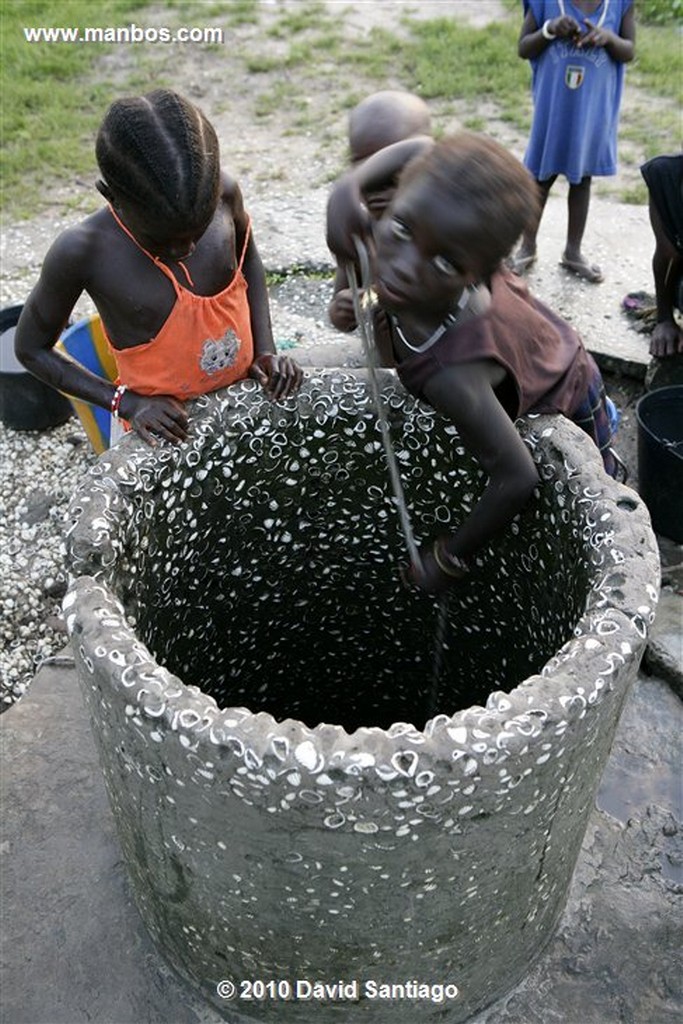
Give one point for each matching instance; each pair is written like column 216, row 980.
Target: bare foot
column 579, row 266
column 522, row 261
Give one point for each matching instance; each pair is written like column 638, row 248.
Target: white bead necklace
column 441, row 329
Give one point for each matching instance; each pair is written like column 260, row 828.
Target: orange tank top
column 204, row 344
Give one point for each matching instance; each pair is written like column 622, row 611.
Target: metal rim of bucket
column 664, row 394
column 9, row 317
column 27, row 403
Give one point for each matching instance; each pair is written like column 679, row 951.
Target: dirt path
column 283, row 135
column 282, row 130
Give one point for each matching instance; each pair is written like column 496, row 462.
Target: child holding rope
column 377, row 121
column 460, row 206
column 173, row 269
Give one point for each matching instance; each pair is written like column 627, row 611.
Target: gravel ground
column 38, row 474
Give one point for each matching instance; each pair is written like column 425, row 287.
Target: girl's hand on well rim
column 279, row 376
column 155, row 416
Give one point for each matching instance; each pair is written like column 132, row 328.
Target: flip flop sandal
column 637, row 302
column 520, row 264
column 587, row 271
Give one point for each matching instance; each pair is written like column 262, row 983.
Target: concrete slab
column 74, row 948
column 618, row 237
column 291, row 238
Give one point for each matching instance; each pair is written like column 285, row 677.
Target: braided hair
column 489, row 181
column 160, row 152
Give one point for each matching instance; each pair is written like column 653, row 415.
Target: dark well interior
column 267, row 573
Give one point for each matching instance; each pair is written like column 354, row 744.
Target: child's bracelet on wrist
column 545, row 31
column 116, row 400
column 449, row 564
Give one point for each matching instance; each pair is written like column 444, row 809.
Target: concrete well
column 304, row 793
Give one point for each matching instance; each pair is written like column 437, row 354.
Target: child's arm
column 346, row 215
column 63, row 277
column 340, row 310
column 621, row 47
column 65, row 274
column 667, row 264
column 465, row 395
column 252, row 268
column 278, row 375
column 534, row 39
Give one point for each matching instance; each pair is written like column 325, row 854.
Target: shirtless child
column 379, row 120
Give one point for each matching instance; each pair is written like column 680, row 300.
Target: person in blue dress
column 577, row 50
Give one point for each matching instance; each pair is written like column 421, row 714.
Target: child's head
column 159, row 158
column 384, row 118
column 381, row 120
column 458, row 210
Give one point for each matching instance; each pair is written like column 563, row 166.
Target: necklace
column 441, row 329
column 597, row 6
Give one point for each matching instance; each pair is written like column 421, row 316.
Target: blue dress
column 577, row 95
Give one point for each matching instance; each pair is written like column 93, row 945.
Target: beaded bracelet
column 545, row 31
column 116, row 400
column 449, row 564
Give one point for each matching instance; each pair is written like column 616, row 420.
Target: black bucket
column 660, row 459
column 26, row 403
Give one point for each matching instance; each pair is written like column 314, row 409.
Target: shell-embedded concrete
column 303, row 792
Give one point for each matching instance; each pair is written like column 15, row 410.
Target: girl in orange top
column 173, row 269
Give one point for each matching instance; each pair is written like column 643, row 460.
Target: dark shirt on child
column 548, row 368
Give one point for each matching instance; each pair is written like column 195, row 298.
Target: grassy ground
column 53, row 94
